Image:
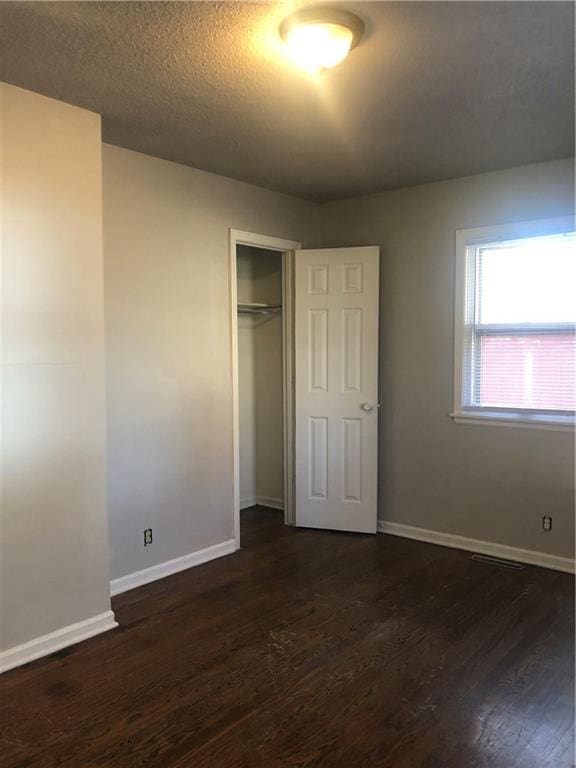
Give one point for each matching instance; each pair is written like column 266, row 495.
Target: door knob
column 367, row 407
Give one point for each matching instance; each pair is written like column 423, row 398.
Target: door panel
column 336, row 388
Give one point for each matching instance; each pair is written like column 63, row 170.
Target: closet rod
column 258, row 309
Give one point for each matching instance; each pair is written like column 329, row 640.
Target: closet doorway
column 262, row 348
column 305, row 381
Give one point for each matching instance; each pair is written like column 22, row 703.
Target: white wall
column 168, row 371
column 166, row 245
column 54, row 540
column 260, row 374
column 168, row 356
column 269, row 409
column 486, row 482
column 247, row 410
column 261, row 411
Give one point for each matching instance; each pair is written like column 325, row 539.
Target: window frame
column 465, row 239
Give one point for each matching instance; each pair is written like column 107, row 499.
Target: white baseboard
column 490, row 548
column 155, row 572
column 55, row 641
column 263, row 501
column 267, row 501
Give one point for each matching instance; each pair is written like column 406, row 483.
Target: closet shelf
column 258, row 309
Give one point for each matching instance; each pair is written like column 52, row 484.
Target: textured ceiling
column 436, row 90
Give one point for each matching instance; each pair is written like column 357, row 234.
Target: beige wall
column 166, row 245
column 54, row 542
column 487, row 482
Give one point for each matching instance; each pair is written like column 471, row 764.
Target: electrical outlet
column 147, row 537
column 547, row 523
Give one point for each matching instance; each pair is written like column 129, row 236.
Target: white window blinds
column 519, row 326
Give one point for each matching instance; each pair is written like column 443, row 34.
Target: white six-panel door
column 336, row 388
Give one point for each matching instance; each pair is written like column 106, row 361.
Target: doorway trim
column 286, row 247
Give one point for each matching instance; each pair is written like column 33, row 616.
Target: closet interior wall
column 260, row 379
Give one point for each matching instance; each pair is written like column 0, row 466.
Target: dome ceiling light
column 318, row 38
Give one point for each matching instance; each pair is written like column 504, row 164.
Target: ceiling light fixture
column 318, row 38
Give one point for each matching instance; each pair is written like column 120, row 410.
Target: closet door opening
column 261, row 291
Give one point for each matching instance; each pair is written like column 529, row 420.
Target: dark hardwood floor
column 309, row 648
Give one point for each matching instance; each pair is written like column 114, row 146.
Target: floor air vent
column 498, row 562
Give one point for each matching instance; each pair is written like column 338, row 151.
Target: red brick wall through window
column 531, row 371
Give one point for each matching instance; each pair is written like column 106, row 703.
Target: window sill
column 521, row 421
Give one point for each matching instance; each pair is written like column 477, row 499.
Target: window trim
column 555, row 420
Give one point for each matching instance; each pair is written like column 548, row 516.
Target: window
column 515, row 354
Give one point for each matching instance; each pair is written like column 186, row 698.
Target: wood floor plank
column 309, row 648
